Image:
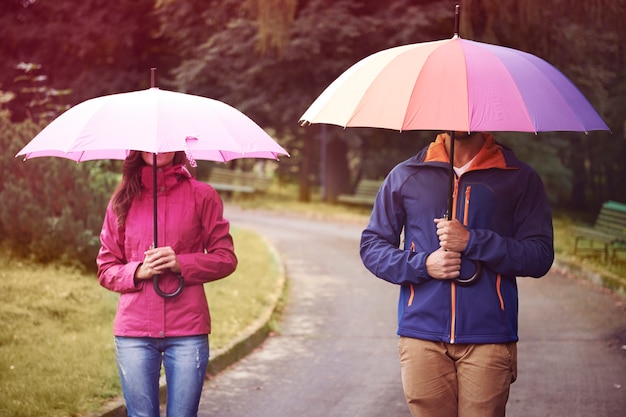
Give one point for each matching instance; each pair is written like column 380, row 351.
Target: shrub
column 52, row 208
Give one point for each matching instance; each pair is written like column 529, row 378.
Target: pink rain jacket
column 190, row 221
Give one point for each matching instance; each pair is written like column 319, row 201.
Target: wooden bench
column 236, row 181
column 364, row 194
column 609, row 231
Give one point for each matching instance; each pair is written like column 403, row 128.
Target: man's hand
column 443, row 264
column 453, row 235
column 156, row 261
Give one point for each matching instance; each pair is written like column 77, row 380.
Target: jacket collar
column 489, row 156
column 167, row 176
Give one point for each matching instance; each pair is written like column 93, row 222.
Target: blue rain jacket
column 501, row 201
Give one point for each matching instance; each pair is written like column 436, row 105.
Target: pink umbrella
column 156, row 121
column 152, row 120
column 454, row 85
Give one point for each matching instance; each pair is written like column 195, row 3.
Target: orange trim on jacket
column 489, row 156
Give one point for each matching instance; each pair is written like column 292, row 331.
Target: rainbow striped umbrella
column 454, row 85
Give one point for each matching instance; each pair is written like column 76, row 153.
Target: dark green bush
column 52, row 208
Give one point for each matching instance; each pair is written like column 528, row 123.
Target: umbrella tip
column 457, row 13
column 152, row 77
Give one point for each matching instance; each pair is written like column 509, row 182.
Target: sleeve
column 114, row 273
column 218, row 260
column 530, row 249
column 380, row 241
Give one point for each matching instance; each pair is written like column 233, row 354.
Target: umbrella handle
column 448, row 215
column 157, row 289
column 469, row 281
column 155, row 279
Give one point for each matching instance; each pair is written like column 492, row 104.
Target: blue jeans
column 139, row 364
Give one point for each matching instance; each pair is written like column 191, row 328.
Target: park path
column 336, row 352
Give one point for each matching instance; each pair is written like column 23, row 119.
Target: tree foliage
column 275, row 87
column 271, row 59
column 90, row 47
column 586, row 41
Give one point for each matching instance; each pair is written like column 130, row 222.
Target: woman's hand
column 156, row 261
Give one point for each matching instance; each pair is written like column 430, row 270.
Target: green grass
column 611, row 275
column 283, row 199
column 56, row 343
column 56, row 353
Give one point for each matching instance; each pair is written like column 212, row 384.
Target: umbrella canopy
column 455, row 85
column 152, row 120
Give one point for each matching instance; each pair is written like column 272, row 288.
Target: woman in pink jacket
column 195, row 244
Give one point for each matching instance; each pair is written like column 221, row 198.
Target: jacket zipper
column 453, row 303
column 468, row 192
column 454, row 197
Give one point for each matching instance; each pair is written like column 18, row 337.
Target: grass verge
column 611, row 275
column 56, row 345
column 55, row 341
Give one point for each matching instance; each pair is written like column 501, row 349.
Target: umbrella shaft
column 154, row 190
column 450, row 179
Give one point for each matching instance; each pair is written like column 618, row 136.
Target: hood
column 491, row 155
column 167, row 176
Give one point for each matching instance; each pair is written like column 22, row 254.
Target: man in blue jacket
column 458, row 342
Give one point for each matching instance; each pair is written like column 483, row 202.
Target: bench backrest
column 227, row 176
column 367, row 187
column 612, row 219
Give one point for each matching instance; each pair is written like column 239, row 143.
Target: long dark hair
column 130, row 186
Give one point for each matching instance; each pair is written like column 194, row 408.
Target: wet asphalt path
column 336, row 352
column 572, row 350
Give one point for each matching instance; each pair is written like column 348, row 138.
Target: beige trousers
column 457, row 380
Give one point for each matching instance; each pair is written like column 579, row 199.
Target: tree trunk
column 305, row 166
column 337, row 173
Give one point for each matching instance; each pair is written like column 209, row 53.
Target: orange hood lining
column 489, row 156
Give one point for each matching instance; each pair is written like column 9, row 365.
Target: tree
column 585, row 40
column 276, row 87
column 271, row 59
column 91, row 47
